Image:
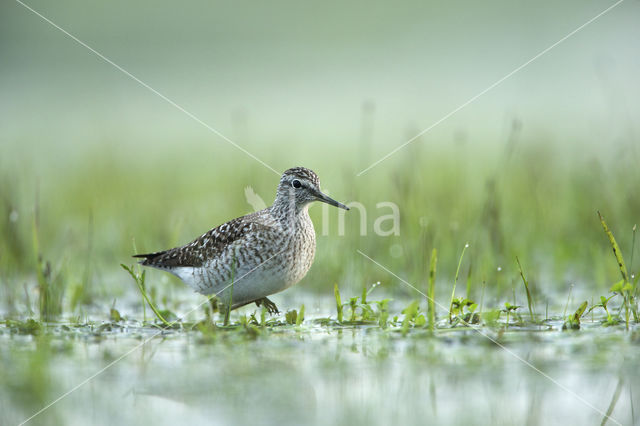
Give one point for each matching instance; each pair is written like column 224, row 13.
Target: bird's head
column 300, row 186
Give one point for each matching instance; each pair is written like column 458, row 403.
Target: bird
column 253, row 256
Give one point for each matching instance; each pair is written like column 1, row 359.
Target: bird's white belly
column 252, row 280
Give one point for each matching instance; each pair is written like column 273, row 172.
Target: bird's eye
column 296, row 183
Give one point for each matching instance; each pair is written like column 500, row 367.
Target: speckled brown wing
column 208, row 246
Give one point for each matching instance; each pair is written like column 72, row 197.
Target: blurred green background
column 91, row 161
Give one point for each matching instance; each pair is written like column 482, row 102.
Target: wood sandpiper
column 251, row 257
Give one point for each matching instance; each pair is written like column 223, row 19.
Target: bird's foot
column 271, row 307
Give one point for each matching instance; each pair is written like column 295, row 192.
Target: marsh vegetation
column 485, row 294
column 506, row 292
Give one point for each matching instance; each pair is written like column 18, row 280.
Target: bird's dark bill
column 326, row 199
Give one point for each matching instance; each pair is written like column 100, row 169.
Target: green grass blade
column 626, row 294
column 336, row 293
column 468, row 293
column 455, row 281
column 300, row 317
column 616, row 249
column 139, row 279
column 633, row 246
column 526, row 286
column 431, row 303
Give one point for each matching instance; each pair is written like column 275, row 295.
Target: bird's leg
column 271, row 307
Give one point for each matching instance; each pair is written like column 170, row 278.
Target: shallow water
column 127, row 373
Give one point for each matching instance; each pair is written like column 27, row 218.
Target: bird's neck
column 288, row 212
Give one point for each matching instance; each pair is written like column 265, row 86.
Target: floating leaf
column 509, row 307
column 578, row 313
column 115, row 315
column 291, row 317
column 617, row 287
column 573, row 321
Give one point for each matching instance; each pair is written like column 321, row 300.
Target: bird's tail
column 148, row 258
